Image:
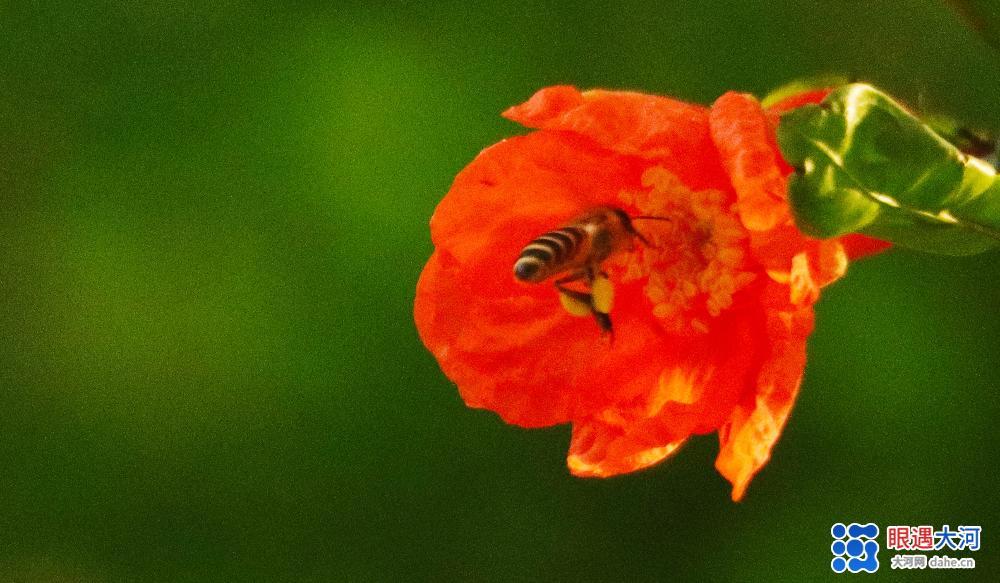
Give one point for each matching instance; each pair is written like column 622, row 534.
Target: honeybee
column 577, row 250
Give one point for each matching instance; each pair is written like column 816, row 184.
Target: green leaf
column 865, row 164
column 977, row 142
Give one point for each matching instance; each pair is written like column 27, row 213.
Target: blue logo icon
column 854, row 548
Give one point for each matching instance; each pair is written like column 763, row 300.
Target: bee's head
column 626, row 222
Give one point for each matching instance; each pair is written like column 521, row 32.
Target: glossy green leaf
column 865, row 164
column 974, row 141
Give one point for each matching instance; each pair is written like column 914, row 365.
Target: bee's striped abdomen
column 548, row 254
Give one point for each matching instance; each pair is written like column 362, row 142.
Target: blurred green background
column 214, row 215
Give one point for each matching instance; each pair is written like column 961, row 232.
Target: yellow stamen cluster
column 696, row 261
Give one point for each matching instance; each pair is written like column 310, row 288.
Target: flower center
column 696, row 261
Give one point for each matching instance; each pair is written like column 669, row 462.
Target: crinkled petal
column 672, row 133
column 799, row 99
column 746, row 143
column 693, row 395
column 757, row 421
column 602, row 450
column 745, row 136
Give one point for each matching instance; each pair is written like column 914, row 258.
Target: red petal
column 745, row 139
column 545, row 106
column 696, row 393
column 602, row 450
column 799, row 99
column 673, row 133
column 757, row 422
column 523, row 356
column 858, row 246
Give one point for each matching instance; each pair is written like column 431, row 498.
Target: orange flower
column 710, row 319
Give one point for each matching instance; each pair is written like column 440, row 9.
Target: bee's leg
column 602, row 296
column 573, row 301
column 597, row 303
column 604, row 322
column 575, row 276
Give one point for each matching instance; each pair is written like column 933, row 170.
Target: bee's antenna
column 651, row 218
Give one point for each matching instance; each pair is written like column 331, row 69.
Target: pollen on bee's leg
column 602, row 293
column 574, row 306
